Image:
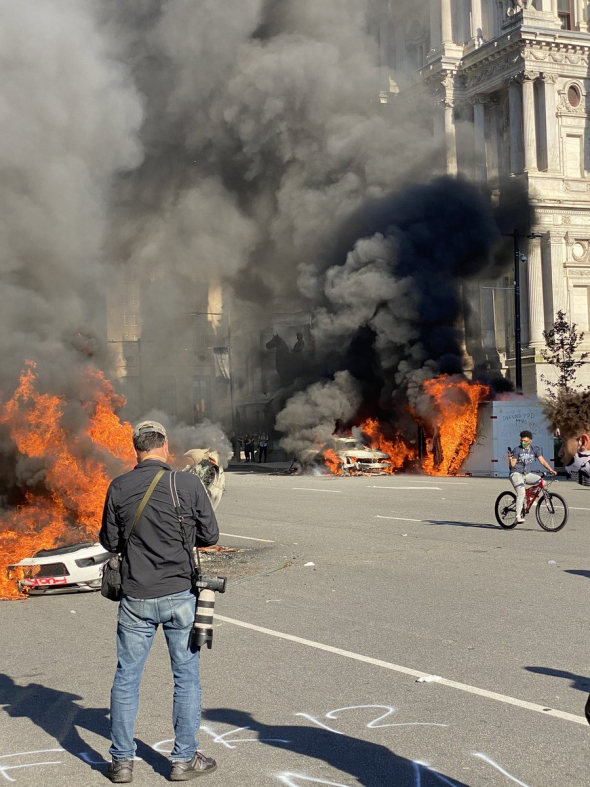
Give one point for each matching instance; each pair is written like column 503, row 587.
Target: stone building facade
column 508, row 82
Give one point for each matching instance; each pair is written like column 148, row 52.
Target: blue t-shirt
column 525, row 458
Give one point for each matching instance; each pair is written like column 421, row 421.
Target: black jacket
column 157, row 562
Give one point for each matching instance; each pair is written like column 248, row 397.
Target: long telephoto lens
column 213, row 583
column 203, row 625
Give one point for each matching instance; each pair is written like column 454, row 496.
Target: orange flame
column 333, row 461
column 454, row 424
column 398, row 451
column 78, row 466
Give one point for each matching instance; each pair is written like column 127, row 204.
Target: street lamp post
column 517, row 327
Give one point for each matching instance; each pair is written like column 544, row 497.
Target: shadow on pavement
column 579, row 682
column 371, row 764
column 458, row 524
column 58, row 714
column 475, row 524
column 578, row 572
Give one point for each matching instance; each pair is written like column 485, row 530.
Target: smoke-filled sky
column 215, row 141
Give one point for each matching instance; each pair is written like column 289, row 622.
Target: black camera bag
column 111, row 571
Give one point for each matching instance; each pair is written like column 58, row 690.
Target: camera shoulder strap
column 142, row 506
column 178, row 510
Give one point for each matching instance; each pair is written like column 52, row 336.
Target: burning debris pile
column 67, row 466
column 65, row 455
column 438, row 445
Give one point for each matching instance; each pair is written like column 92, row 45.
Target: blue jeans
column 518, row 481
column 138, row 621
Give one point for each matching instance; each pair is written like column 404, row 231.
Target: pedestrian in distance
column 521, row 460
column 235, row 444
column 156, row 590
column 263, row 448
column 249, row 448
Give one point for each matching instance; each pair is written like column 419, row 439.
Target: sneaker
column 198, row 766
column 520, row 520
column 120, row 771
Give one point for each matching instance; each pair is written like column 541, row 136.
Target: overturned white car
column 78, row 567
column 61, row 570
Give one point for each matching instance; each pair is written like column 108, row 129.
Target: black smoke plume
column 391, row 309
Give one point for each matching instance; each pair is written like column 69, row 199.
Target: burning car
column 347, row 456
column 360, row 459
column 78, row 567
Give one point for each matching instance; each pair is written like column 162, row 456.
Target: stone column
column 384, row 46
column 515, row 110
column 435, row 24
column 493, row 156
column 529, row 120
column 438, row 119
column 447, row 21
column 476, row 22
column 556, row 248
column 553, row 145
column 479, row 122
column 554, row 7
column 535, row 288
column 451, row 137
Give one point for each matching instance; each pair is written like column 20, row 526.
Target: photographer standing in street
column 156, row 589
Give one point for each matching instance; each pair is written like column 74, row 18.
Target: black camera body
column 202, row 582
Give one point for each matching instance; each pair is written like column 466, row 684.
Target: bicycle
column 551, row 510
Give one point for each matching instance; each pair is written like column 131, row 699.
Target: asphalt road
column 314, row 675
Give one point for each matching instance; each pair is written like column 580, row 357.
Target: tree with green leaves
column 562, row 342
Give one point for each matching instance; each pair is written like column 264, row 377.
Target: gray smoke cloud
column 70, row 118
column 194, row 143
column 263, row 132
column 310, row 417
column 183, row 437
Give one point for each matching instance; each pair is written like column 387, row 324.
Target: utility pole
column 517, row 328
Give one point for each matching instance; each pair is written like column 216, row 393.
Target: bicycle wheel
column 552, row 512
column 505, row 510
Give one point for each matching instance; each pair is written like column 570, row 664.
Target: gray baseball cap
column 149, row 426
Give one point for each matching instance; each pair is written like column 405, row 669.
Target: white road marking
column 495, row 765
column 311, row 489
column 453, row 684
column 578, row 509
column 436, row 488
column 248, row 538
column 398, row 518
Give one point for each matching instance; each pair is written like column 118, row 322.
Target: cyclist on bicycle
column 520, row 460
